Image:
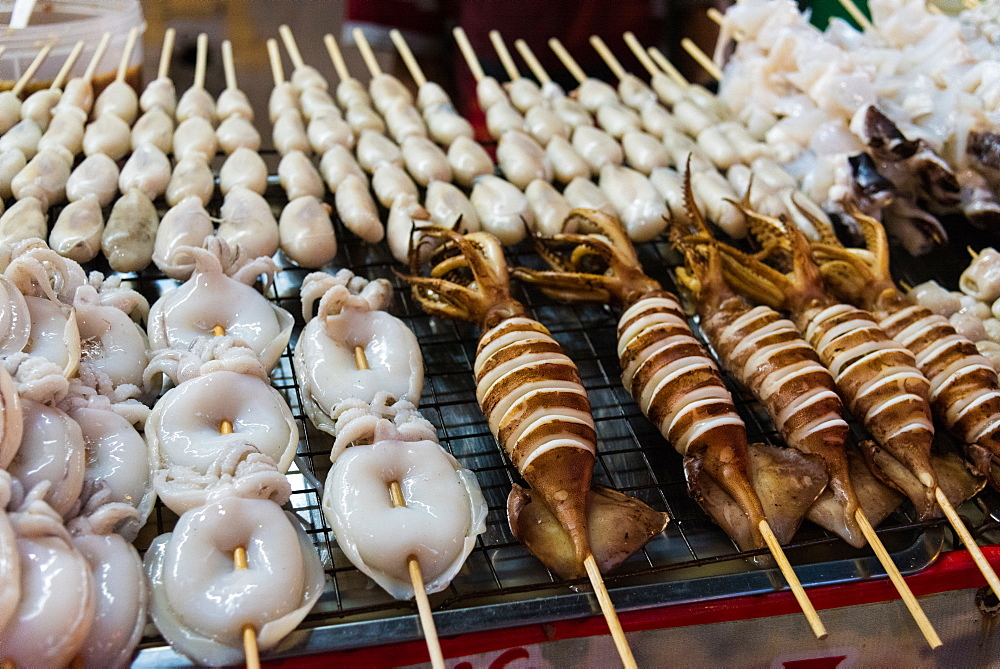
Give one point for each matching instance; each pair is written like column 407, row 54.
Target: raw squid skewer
column 196, row 102
column 664, row 367
column 303, row 76
column 536, row 406
column 194, row 141
column 38, row 106
column 810, row 419
column 419, row 590
column 119, row 98
column 391, row 98
column 10, row 102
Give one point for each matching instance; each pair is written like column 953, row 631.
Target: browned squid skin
column 877, row 377
column 538, row 410
column 674, row 382
column 964, row 392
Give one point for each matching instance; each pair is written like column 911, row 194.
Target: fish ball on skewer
column 299, row 177
column 306, row 231
column 390, row 181
column 356, row 208
column 148, row 170
column 236, row 132
column 244, row 167
column 468, row 160
column 96, row 176
column 191, row 177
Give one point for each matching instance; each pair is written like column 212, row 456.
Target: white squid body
column 502, row 208
column 202, row 611
column 306, row 231
column 236, row 132
column 11, row 163
column 244, row 167
column 638, row 204
column 447, row 205
column 50, row 623
column 10, row 434
column 112, row 344
column 210, row 298
column 117, row 469
column 234, row 102
column 122, row 598
column 185, row 224
column 522, row 159
column 120, row 99
column 191, row 177
column 147, row 169
column 350, row 316
column 187, row 448
column 468, row 160
column 96, row 176
column 444, row 508
column 299, row 177
column 161, row 93
column 55, row 333
column 44, row 177
column 196, row 103
column 155, row 127
column 52, row 452
column 15, row 319
column 10, row 562
column 77, row 232
column 108, row 135
column 247, row 222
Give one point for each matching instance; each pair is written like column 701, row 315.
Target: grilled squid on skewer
column 66, row 131
column 43, row 178
column 502, row 208
column 352, row 314
column 109, row 135
column 236, row 132
column 538, row 410
column 219, row 293
column 195, row 136
column 24, row 136
column 876, row 376
column 375, row 149
column 202, row 612
column 192, row 177
column 160, row 92
column 10, row 563
column 679, row 388
column 522, row 159
column 11, row 163
column 327, row 129
column 25, row 219
column 118, row 99
column 444, row 510
column 582, row 193
column 448, row 205
column 356, row 208
column 963, row 385
column 49, row 623
column 193, row 461
column 299, row 177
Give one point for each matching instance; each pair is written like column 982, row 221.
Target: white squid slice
column 444, row 511
column 10, row 561
column 113, row 345
column 202, row 612
column 55, row 335
column 522, row 159
column 389, row 182
column 24, row 220
column 11, row 162
column 44, row 178
column 65, row 131
column 356, row 208
column 299, row 177
column 24, row 136
column 289, row 132
column 195, row 135
column 327, row 129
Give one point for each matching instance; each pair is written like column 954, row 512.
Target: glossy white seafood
column 356, row 208
column 119, row 99
column 445, row 125
column 155, row 127
column 10, row 434
column 375, row 149
column 289, row 132
column 637, row 203
column 616, row 119
column 195, row 136
column 96, row 176
column 468, row 160
column 489, row 92
column 362, row 117
column 202, row 612
column 405, row 216
column 403, row 120
column 449, row 206
column 192, row 177
column 582, row 193
column 389, row 181
column 350, row 315
column 431, row 94
column 130, row 232
column 114, row 348
column 52, row 455
column 597, row 148
column 121, row 592
column 15, row 320
column 572, row 112
column 24, row 219
column 160, row 93
column 185, row 224
column 147, row 169
column 284, row 97
column 10, row 110
column 196, row 102
column 524, row 93
column 336, row 164
column 219, row 294
column 10, row 562
column 44, row 178
column 327, row 129
column 243, row 167
column 594, row 93
column 299, row 177
column 425, row 161
column 109, row 135
column 543, row 124
column 549, row 207
column 66, row 131
column 307, row 77
column 235, row 132
column 233, row 102
column 11, row 162
column 23, row 136
column 306, row 231
column 643, row 152
column 522, row 159
column 248, row 222
column 350, row 92
column 501, row 118
column 502, row 208
column 444, row 508
column 77, row 232
column 51, row 620
column 317, row 102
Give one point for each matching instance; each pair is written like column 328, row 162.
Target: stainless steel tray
column 502, row 585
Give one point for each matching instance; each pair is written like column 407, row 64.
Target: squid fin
column 618, row 526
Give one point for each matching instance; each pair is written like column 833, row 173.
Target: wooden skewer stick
column 277, row 70
column 3, row 47
column 505, row 58
column 701, row 58
column 609, row 58
column 67, row 66
column 467, row 52
column 419, row 78
column 291, row 46
column 227, row 64
column 201, row 60
column 416, row 577
column 644, row 58
column 166, row 53
column 970, row 543
column 668, row 67
column 366, row 52
column 858, row 16
column 610, row 615
column 720, row 19
column 793, row 581
column 337, row 57
column 95, row 60
column 532, row 60
column 933, row 640
column 567, row 60
column 32, row 68
column 133, row 35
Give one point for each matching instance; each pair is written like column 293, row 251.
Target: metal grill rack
column 501, row 582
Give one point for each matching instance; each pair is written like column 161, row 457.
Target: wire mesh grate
column 632, row 457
